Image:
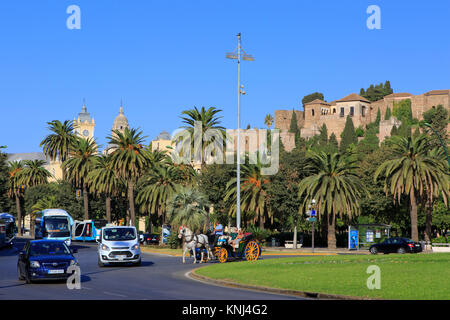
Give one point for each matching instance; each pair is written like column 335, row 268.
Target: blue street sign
column 313, row 213
column 311, row 219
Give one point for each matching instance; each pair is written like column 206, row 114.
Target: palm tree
column 15, row 190
column 159, row 185
column 78, row 166
column 34, row 173
column 103, row 179
column 268, row 120
column 58, row 144
column 335, row 186
column 49, row 202
column 188, row 208
column 129, row 160
column 253, row 193
column 412, row 171
column 442, row 189
column 208, row 120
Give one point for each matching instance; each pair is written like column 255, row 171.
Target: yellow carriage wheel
column 223, row 255
column 252, row 251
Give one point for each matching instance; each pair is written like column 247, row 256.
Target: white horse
column 192, row 241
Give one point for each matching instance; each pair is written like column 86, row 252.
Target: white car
column 118, row 245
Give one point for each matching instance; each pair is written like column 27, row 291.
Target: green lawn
column 408, row 276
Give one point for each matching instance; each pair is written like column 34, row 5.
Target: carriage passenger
column 238, row 239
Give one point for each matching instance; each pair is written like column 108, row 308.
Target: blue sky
column 162, row 57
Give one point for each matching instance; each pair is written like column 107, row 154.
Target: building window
column 363, row 111
column 352, row 111
column 334, row 110
column 312, row 112
column 342, row 112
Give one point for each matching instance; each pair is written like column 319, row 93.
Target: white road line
column 114, row 294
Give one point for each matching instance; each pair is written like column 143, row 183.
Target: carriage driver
column 218, row 231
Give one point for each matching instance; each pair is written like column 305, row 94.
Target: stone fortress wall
column 362, row 111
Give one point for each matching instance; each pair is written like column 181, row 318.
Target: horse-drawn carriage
column 249, row 249
column 202, row 247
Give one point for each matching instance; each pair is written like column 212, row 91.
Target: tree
column 158, row 186
column 438, row 119
column 129, row 160
column 411, row 172
column 34, row 173
column 253, row 193
column 293, row 128
column 348, row 135
column 14, row 190
column 79, row 164
column 209, row 121
column 212, row 182
column 4, row 180
column 388, row 114
column 188, row 208
column 377, row 92
column 103, row 179
column 311, row 97
column 268, row 120
column 323, row 136
column 333, row 143
column 335, row 186
column 57, row 146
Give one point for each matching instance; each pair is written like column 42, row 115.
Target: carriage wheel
column 223, row 255
column 252, row 251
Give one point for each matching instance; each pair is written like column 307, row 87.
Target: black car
column 148, row 238
column 396, row 245
column 45, row 260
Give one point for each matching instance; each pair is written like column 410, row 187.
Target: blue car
column 45, row 260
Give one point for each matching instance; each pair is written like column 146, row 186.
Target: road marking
column 114, row 294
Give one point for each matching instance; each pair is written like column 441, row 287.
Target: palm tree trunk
column 108, row 209
column 429, row 220
column 332, row 231
column 131, row 203
column 261, row 222
column 19, row 215
column 86, row 202
column 413, row 214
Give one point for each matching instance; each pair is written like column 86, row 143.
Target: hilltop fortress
column 333, row 114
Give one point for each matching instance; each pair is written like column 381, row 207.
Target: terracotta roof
column 317, row 101
column 353, row 97
column 333, row 103
column 437, row 92
column 399, row 95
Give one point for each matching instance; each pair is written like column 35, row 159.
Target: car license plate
column 56, row 271
column 121, row 257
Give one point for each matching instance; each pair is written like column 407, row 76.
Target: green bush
column 440, row 240
column 260, row 234
column 173, row 242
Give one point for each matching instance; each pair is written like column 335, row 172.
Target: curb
column 297, row 293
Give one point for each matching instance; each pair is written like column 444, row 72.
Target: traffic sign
column 313, row 213
column 311, row 219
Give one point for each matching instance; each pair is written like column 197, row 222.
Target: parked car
column 118, row 245
column 149, row 238
column 45, row 260
column 396, row 245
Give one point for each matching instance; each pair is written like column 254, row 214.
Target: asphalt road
column 159, row 277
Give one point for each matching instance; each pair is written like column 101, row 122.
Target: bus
column 87, row 230
column 8, row 229
column 56, row 224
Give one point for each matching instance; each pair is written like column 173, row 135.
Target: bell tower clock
column 84, row 123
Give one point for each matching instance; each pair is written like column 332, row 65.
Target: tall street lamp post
column 239, row 54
